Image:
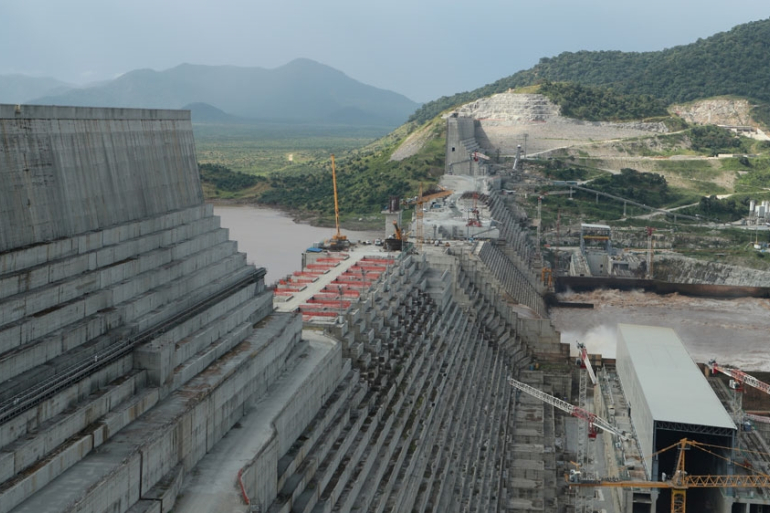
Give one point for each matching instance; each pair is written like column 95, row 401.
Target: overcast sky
column 423, row 49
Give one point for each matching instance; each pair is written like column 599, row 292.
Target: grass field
column 265, row 148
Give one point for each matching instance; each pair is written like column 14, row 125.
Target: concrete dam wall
column 144, row 369
column 67, row 171
column 118, row 290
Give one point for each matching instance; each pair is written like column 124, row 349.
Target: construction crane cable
column 747, row 451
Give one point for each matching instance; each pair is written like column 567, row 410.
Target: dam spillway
column 144, row 368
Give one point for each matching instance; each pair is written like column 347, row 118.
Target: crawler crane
column 396, row 241
column 338, row 242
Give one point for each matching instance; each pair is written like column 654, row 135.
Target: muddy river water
column 734, row 331
column 271, row 239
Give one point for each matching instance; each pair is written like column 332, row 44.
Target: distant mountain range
column 736, row 62
column 16, row 89
column 302, row 91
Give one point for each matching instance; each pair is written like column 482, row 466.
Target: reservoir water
column 271, row 239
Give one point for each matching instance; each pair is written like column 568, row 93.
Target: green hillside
column 366, row 179
column 736, row 62
column 593, row 86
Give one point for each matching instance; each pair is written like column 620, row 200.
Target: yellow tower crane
column 681, row 481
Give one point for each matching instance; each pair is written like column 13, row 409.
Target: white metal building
column 668, row 395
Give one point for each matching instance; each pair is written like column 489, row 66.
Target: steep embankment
column 416, row 141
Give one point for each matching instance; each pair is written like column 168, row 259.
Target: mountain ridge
column 735, row 62
column 302, row 90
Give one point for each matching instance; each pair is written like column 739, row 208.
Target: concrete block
column 160, row 455
column 158, row 360
column 129, row 411
column 21, row 361
column 31, row 257
column 89, row 242
column 9, row 286
column 32, row 279
column 99, row 435
column 96, row 302
column 194, row 445
column 110, row 236
column 67, row 268
column 126, row 231
column 6, row 466
column 10, row 338
column 116, row 491
column 12, row 310
column 147, row 226
column 40, row 326
column 167, row 489
column 145, row 506
column 8, row 262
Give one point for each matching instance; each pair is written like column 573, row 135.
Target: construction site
column 147, row 368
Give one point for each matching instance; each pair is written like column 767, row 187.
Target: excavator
column 396, row 241
column 338, row 242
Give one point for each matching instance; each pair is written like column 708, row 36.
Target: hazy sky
column 423, row 49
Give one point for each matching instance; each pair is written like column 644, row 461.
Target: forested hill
column 736, row 62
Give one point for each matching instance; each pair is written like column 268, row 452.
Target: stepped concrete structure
column 144, row 368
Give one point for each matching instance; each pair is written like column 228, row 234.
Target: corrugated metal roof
column 674, row 387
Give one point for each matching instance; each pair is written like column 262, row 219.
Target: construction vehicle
column 594, row 421
column 396, row 241
column 338, row 242
column 680, row 480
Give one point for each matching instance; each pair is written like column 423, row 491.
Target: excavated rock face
column 715, row 111
column 534, row 122
column 512, row 108
column 680, row 269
